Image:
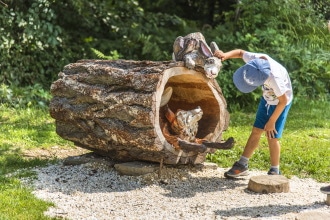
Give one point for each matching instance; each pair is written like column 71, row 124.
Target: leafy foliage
column 28, row 96
column 121, row 26
column 113, row 54
column 39, row 37
column 295, row 38
column 30, row 43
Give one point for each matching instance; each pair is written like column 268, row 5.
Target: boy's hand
column 270, row 129
column 220, row 54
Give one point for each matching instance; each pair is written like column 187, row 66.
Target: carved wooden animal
column 185, row 45
column 184, row 123
column 194, row 51
column 180, row 128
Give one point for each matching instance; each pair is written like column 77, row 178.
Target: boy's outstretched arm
column 237, row 53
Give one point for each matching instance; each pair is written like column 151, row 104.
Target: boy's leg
column 257, row 130
column 253, row 142
column 274, row 144
column 241, row 168
column 274, row 151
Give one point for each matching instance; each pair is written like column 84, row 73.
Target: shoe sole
column 273, row 173
column 244, row 173
column 325, row 192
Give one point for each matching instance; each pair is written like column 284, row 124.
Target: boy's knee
column 272, row 141
column 256, row 131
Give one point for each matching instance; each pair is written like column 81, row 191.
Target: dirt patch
column 55, row 152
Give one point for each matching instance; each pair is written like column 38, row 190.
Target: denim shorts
column 265, row 111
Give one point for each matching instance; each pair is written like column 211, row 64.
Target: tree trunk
column 113, row 108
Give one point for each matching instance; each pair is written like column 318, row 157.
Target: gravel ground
column 94, row 190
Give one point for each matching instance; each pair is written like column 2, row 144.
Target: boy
column 262, row 70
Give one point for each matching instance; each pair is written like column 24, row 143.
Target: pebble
column 95, row 190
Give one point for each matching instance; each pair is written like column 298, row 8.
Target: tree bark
column 113, row 108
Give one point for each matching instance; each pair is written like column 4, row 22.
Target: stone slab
column 313, row 215
column 136, row 168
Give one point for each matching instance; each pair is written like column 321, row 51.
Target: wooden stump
column 269, row 184
column 113, row 108
column 327, row 201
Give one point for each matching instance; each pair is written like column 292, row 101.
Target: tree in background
column 39, row 37
column 30, row 43
column 297, row 38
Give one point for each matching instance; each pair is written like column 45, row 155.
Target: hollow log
column 113, row 108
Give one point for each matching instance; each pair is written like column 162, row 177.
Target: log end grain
column 269, row 184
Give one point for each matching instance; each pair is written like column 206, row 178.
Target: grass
column 23, row 129
column 305, row 142
column 27, row 129
column 305, row 150
column 18, row 202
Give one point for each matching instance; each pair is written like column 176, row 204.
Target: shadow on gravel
column 265, row 211
column 93, row 174
column 187, row 188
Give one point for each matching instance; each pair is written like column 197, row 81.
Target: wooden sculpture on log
column 124, row 109
column 193, row 50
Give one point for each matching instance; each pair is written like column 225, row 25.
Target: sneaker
column 273, row 171
column 325, row 189
column 237, row 170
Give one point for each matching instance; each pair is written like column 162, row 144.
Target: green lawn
column 305, row 150
column 22, row 129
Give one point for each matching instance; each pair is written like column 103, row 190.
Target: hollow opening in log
column 189, row 91
column 192, row 89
